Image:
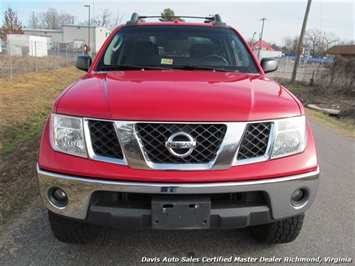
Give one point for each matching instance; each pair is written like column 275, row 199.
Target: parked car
column 175, row 125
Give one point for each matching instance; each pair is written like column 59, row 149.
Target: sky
column 283, row 18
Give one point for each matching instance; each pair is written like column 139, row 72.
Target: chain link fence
column 21, row 58
column 20, row 62
column 308, row 72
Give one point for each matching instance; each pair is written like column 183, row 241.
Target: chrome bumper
column 79, row 191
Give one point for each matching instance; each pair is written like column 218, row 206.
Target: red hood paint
column 175, row 95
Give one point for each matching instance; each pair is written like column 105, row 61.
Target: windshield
column 176, row 47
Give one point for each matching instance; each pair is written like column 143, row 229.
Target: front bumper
column 278, row 193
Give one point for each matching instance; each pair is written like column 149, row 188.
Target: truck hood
column 175, row 95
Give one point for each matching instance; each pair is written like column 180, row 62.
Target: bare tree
column 10, row 25
column 287, row 44
column 290, row 44
column 33, row 22
column 319, row 41
column 50, row 19
column 117, row 20
column 329, row 39
column 66, row 18
column 313, row 40
column 104, row 20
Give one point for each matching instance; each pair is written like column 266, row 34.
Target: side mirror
column 83, row 62
column 269, row 64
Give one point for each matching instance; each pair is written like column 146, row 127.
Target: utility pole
column 89, row 45
column 261, row 36
column 300, row 43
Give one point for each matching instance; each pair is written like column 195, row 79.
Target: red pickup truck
column 176, row 126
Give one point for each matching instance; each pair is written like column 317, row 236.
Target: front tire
column 72, row 231
column 283, row 231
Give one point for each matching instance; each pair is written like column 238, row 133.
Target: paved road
column 328, row 230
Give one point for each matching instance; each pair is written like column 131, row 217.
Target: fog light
column 299, row 197
column 58, row 197
column 59, row 194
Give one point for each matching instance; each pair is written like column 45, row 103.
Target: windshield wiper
column 211, row 68
column 184, row 67
column 132, row 67
column 120, row 67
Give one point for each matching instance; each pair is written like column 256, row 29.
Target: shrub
column 339, row 77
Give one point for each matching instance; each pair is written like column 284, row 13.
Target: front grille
column 104, row 139
column 208, row 137
column 255, row 141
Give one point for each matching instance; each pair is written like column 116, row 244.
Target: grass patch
column 23, row 132
column 296, row 91
column 343, row 127
column 25, row 104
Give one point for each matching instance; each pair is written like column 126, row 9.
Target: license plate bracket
column 174, row 212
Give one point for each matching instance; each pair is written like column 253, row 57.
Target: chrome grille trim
column 255, row 141
column 208, row 137
column 91, row 150
column 104, row 139
column 266, row 149
column 137, row 158
column 134, row 153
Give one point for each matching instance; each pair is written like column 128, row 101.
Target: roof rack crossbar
column 174, row 17
column 215, row 19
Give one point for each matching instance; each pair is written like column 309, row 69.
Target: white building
column 74, row 35
column 80, row 35
column 20, row 44
column 52, row 36
column 262, row 50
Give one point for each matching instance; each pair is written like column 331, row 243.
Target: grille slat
column 208, row 137
column 255, row 141
column 104, row 139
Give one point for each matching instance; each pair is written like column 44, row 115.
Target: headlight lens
column 67, row 135
column 290, row 135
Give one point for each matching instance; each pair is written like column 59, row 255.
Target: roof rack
column 213, row 19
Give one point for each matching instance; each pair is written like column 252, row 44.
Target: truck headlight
column 290, row 135
column 67, row 135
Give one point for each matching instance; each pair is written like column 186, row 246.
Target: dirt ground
column 346, row 105
column 33, row 94
column 312, row 95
